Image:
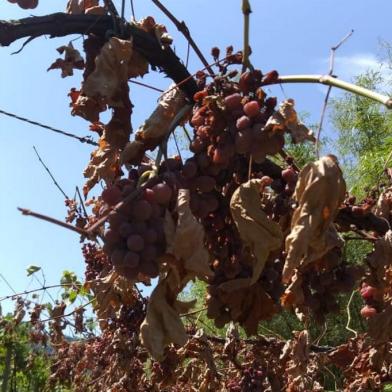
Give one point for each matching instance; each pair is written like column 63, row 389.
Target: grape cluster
column 322, row 282
column 135, row 238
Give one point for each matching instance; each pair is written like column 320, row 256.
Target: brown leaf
column 312, row 231
column 286, row 119
column 72, row 60
column 162, row 324
column 156, row 127
column 257, row 232
column 103, row 165
column 111, row 292
column 383, row 207
column 185, row 240
column 113, row 67
column 77, row 7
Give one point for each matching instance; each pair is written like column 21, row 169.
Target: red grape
column 243, row 122
column 117, row 257
column 141, row 210
column 111, row 195
column 368, row 311
column 163, row 193
column 252, row 108
column 233, row 101
column 131, row 259
column 150, row 235
column 368, row 292
column 135, row 242
column 149, row 195
column 290, row 175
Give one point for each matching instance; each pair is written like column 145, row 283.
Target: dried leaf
column 77, row 7
column 162, row 324
column 186, row 240
column 72, row 60
column 312, row 231
column 111, row 292
column 103, row 165
column 383, row 207
column 286, row 119
column 156, row 127
column 114, row 65
column 257, row 232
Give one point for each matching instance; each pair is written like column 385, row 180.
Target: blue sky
column 291, row 36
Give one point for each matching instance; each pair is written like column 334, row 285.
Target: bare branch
column 182, row 27
column 325, row 104
column 78, row 230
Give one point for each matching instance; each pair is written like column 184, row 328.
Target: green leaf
column 32, row 269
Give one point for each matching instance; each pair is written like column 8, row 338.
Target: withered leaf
column 111, row 292
column 185, row 241
column 383, row 207
column 257, row 232
column 114, row 65
column 162, row 324
column 72, row 60
column 103, row 165
column 156, row 127
column 312, row 230
column 77, row 7
column 286, row 119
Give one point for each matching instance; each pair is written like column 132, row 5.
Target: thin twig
column 325, row 104
column 182, row 27
column 81, row 201
column 250, row 166
column 39, row 289
column 322, row 334
column 7, row 283
column 187, row 134
column 177, row 147
column 26, row 211
column 194, row 312
column 349, row 315
column 246, row 11
column 146, row 85
column 133, row 10
column 85, row 139
column 50, row 174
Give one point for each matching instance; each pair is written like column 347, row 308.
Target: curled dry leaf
column 162, row 325
column 72, row 60
column 258, row 233
column 286, row 119
column 185, row 241
column 312, row 231
column 156, row 127
column 111, row 292
column 103, row 165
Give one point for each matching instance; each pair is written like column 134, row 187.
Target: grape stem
column 335, row 82
column 26, row 211
column 349, row 315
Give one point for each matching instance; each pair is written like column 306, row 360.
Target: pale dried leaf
column 162, row 325
column 286, row 119
column 319, row 192
column 187, row 242
column 156, row 126
column 257, row 232
column 383, row 207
